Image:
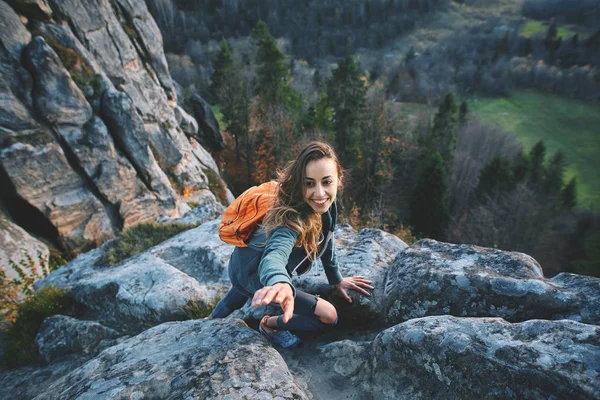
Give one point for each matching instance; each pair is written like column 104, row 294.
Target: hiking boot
column 280, row 337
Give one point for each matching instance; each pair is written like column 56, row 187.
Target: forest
column 396, row 98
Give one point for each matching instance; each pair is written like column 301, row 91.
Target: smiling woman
column 295, row 232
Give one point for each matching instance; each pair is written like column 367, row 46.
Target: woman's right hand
column 280, row 293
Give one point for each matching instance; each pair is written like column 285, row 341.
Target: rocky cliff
column 444, row 321
column 92, row 140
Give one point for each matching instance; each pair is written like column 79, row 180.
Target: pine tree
column 346, row 92
column 496, row 177
column 443, row 137
column 323, row 114
column 272, row 70
column 521, row 168
column 222, row 65
column 536, row 159
column 553, row 176
column 569, row 195
column 429, row 203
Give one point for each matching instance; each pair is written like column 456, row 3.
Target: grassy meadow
column 570, row 126
column 532, row 27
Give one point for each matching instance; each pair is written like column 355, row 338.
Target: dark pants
column 304, row 318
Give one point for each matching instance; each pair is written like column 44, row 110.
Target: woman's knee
column 326, row 312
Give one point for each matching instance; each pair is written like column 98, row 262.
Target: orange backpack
column 243, row 215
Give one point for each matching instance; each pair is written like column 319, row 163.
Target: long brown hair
column 290, row 207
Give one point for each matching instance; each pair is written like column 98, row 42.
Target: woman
column 294, row 233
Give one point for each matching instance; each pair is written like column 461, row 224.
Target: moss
column 192, row 204
column 20, row 345
column 216, row 185
column 196, row 310
column 139, row 238
column 81, row 73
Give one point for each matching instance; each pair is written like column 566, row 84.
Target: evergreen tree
column 521, row 168
column 429, row 209
column 496, row 177
column 569, row 195
column 536, row 160
column 324, row 114
column 222, row 65
column 346, row 92
column 553, row 177
column 272, row 70
column 234, row 95
column 443, row 137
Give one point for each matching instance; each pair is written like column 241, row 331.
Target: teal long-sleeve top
column 267, row 262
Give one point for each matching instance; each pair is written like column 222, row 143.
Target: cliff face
column 90, row 135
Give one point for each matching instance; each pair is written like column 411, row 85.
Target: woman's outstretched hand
column 358, row 283
column 280, row 293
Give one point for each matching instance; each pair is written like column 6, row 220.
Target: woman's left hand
column 358, row 283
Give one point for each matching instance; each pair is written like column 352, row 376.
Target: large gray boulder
column 137, row 294
column 204, row 359
column 152, row 287
column 199, row 253
column 435, row 278
column 466, row 358
column 60, row 335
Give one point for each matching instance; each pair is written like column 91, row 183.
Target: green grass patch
column 196, row 310
column 20, row 346
column 532, row 28
column 139, row 238
column 567, row 125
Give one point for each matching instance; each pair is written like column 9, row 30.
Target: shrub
column 138, row 239
column 196, row 310
column 20, row 346
column 216, row 185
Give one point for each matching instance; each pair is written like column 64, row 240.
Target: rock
column 199, row 253
column 188, row 124
column 435, row 278
column 13, row 33
column 25, row 251
column 466, row 358
column 38, row 9
column 210, row 134
column 25, row 383
column 193, row 359
column 587, row 290
column 137, row 294
column 124, row 122
column 94, row 105
column 60, row 335
column 113, row 176
column 206, row 210
column 56, row 96
column 43, row 177
column 139, row 19
column 349, row 359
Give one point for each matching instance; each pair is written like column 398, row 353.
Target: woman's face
column 320, row 184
